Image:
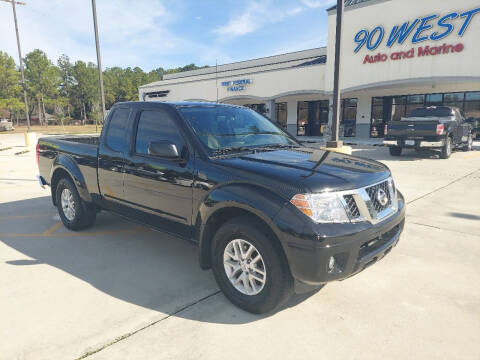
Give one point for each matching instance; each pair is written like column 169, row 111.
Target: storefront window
column 260, row 108
column 472, row 105
column 434, row 100
column 302, row 120
column 281, row 114
column 387, row 108
column 348, row 117
column 312, row 117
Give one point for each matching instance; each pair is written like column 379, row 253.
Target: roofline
column 213, row 69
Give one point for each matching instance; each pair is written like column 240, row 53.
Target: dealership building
column 396, row 55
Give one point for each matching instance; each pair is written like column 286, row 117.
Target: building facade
column 396, row 55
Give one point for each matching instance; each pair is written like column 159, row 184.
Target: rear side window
column 433, row 112
column 157, row 125
column 116, row 137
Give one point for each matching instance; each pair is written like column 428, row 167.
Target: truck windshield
column 440, row 111
column 222, row 128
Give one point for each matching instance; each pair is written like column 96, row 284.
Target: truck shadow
column 122, row 259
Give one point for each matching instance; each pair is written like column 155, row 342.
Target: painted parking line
column 52, row 229
column 23, row 216
column 130, row 231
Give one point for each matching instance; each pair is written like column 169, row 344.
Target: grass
column 56, row 129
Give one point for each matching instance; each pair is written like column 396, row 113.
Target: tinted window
column 432, row 111
column 116, row 135
column 156, row 126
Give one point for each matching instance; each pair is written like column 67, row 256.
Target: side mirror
column 164, row 149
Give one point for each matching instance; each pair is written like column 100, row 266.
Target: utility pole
column 334, row 142
column 20, row 60
column 99, row 63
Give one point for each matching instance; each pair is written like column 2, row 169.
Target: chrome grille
column 363, row 204
column 372, row 192
column 352, row 207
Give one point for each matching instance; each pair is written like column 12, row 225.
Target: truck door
column 111, row 155
column 160, row 187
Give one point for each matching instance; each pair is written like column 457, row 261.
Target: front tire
column 74, row 212
column 447, row 149
column 395, row 150
column 250, row 267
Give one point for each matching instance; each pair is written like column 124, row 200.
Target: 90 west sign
column 432, row 27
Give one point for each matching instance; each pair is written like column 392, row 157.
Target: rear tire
column 395, row 150
column 74, row 212
column 447, row 149
column 240, row 278
column 469, row 145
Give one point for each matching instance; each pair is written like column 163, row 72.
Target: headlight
column 321, row 208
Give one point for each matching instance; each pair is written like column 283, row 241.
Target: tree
column 42, row 78
column 86, row 87
column 67, row 80
column 9, row 77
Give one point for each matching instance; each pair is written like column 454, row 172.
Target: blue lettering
column 423, row 27
column 468, row 15
column 360, row 39
column 371, row 46
column 449, row 27
column 401, row 33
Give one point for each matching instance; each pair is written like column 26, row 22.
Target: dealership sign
column 237, row 85
column 433, row 27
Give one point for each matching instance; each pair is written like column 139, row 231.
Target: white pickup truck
column 6, row 125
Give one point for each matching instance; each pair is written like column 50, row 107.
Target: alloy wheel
column 68, row 204
column 244, row 267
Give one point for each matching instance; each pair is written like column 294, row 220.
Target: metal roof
column 349, row 3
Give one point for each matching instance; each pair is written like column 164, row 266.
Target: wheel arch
column 65, row 167
column 260, row 206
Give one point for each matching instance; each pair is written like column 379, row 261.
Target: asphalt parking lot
column 121, row 291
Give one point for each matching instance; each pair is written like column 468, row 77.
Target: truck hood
column 309, row 169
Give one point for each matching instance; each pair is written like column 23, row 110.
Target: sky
column 166, row 33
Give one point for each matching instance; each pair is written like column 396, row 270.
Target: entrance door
column 314, row 119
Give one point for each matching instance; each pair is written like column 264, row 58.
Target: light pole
column 99, row 62
column 334, row 142
column 20, row 59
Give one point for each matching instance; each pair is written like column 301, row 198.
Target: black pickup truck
column 435, row 128
column 269, row 216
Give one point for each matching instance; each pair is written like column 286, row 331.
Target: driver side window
column 157, row 125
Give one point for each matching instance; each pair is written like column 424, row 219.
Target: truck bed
column 83, row 150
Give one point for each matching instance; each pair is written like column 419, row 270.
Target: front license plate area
column 410, row 142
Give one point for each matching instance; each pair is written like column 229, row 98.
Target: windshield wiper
column 231, row 149
column 280, row 146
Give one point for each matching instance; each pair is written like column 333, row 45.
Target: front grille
column 352, row 207
column 373, row 191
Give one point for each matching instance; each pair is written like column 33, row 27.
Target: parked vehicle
column 6, row 125
column 269, row 216
column 435, row 127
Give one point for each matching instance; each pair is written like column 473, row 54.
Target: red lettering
column 459, row 47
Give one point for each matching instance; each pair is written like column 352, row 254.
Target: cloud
column 256, row 15
column 131, row 33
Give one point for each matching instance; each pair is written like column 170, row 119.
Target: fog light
column 331, row 264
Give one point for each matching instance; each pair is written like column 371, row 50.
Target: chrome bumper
column 432, row 144
column 390, row 142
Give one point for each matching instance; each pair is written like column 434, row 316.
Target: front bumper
column 353, row 246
